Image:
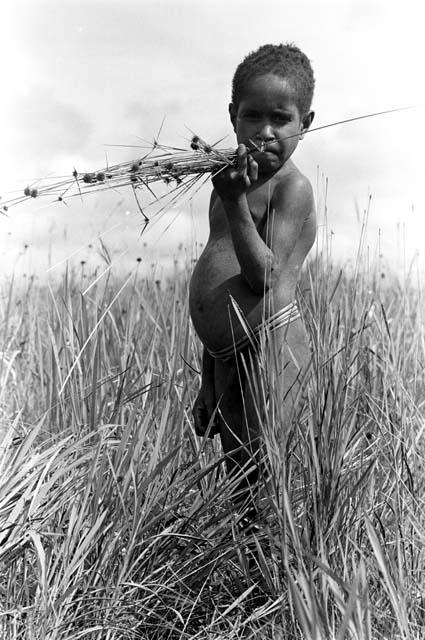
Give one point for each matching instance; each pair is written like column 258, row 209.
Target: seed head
column 27, row 191
column 34, row 193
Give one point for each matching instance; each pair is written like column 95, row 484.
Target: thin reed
column 116, row 521
column 175, row 167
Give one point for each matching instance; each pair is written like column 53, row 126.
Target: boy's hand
column 204, row 414
column 233, row 182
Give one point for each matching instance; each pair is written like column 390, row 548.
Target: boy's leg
column 288, row 358
column 242, row 391
column 238, row 442
column 277, row 376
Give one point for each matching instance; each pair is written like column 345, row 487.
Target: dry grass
column 116, row 521
column 179, row 169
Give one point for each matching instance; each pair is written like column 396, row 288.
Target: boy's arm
column 292, row 202
column 292, row 205
column 255, row 258
column 207, row 366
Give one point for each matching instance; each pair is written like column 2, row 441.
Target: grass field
column 116, row 521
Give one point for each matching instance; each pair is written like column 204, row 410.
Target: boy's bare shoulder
column 293, row 192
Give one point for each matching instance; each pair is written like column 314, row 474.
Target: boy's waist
column 252, row 336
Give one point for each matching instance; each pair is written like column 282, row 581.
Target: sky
column 78, row 77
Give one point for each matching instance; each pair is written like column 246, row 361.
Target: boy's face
column 266, row 115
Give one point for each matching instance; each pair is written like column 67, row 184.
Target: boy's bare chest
column 259, row 203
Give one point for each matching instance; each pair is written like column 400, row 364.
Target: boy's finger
column 200, row 428
column 252, row 169
column 215, row 429
column 198, row 413
column 242, row 159
column 202, row 418
column 242, row 150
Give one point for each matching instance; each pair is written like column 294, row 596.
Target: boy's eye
column 281, row 117
column 251, row 115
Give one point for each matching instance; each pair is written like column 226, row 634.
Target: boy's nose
column 266, row 133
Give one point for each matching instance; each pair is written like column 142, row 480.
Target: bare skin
column 262, row 225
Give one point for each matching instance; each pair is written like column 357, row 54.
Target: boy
column 262, row 225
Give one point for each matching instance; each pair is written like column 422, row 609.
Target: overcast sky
column 79, row 75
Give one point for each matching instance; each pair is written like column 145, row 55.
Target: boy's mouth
column 265, row 151
column 264, row 147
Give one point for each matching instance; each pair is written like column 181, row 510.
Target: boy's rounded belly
column 215, row 280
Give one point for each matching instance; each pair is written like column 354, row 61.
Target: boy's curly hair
column 285, row 60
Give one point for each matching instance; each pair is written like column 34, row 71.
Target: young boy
column 262, row 225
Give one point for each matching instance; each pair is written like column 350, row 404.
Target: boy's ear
column 232, row 112
column 306, row 124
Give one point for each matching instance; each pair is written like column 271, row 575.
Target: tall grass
column 116, row 521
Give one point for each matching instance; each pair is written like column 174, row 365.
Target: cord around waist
column 281, row 318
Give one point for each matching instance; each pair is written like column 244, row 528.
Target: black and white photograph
column 212, row 320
